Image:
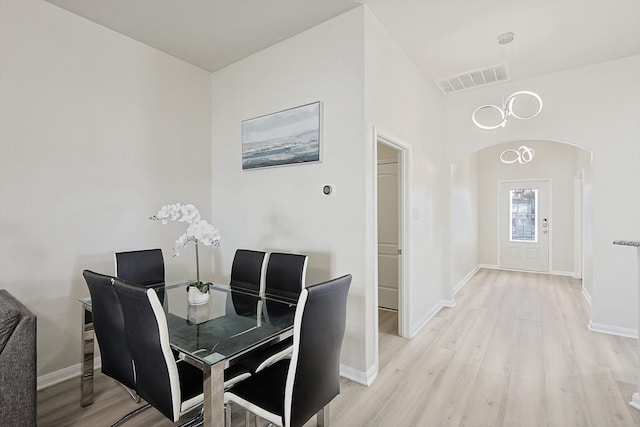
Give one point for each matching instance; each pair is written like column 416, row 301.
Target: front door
column 525, row 225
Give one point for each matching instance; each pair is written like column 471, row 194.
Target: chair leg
column 131, row 392
column 324, row 420
column 131, row 414
column 227, row 414
column 248, row 417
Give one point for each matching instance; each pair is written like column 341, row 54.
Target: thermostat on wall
column 328, row 190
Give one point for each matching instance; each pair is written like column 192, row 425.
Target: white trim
column 635, row 401
column 489, row 266
column 291, row 374
column 360, row 377
column 554, row 273
column 404, row 219
column 578, row 213
column 612, row 330
column 562, row 273
column 163, row 329
column 263, row 274
column 586, row 295
column 257, row 410
column 282, row 354
column 304, row 272
column 64, row 374
column 425, row 319
column 465, row 280
column 115, row 262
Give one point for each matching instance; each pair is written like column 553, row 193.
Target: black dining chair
column 247, row 271
column 108, row 326
column 284, row 280
column 290, row 392
column 247, row 280
column 174, row 388
column 144, row 267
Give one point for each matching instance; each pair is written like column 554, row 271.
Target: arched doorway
column 475, row 208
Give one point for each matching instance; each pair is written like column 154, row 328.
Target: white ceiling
column 443, row 37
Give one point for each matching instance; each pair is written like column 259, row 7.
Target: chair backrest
column 108, row 325
column 247, row 270
column 286, row 274
column 247, row 274
column 313, row 379
column 157, row 379
column 144, row 267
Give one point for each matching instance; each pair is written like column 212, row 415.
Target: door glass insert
column 524, row 206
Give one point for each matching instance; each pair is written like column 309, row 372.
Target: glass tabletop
column 231, row 323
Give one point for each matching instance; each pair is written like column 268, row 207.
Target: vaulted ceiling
column 443, row 37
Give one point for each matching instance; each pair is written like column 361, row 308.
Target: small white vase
column 197, row 297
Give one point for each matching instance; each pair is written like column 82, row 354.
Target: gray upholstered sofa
column 17, row 363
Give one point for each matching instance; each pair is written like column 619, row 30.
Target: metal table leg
column 213, row 377
column 86, row 386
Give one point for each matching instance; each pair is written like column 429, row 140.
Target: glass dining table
column 210, row 336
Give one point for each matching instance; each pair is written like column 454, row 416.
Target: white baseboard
column 562, row 273
column 497, row 267
column 489, row 266
column 360, row 377
column 425, row 319
column 74, row 371
column 612, row 330
column 465, row 280
column 586, row 295
column 56, row 377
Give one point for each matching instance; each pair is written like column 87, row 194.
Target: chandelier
column 522, row 155
column 507, row 110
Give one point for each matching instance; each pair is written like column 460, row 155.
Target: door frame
column 550, row 216
column 404, row 156
column 578, row 211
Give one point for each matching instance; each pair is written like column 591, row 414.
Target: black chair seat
column 264, row 391
column 234, row 374
column 264, row 357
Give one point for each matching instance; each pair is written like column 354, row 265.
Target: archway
column 474, row 208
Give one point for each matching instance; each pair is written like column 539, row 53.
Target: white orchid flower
column 198, row 230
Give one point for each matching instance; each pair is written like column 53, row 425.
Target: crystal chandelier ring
column 507, row 110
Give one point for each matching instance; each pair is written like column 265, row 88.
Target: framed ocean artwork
column 288, row 137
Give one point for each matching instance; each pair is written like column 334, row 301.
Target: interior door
column 388, row 234
column 524, row 225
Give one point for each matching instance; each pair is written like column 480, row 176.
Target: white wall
column 403, row 105
column 597, row 108
column 283, row 208
column 553, row 160
column 352, row 65
column 465, row 220
column 96, row 132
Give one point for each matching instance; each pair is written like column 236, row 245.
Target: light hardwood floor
column 515, row 351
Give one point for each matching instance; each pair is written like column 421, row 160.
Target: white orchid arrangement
column 198, row 230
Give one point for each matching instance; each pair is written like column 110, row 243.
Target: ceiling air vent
column 476, row 78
